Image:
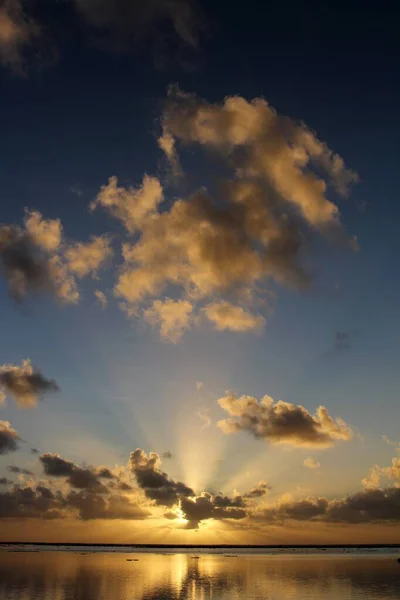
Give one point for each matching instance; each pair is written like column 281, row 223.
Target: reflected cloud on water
column 73, row 576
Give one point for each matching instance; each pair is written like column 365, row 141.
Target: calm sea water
column 282, row 575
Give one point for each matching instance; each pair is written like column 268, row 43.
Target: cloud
column 311, row 463
column 279, row 150
column 124, row 22
column 18, row 470
column 225, row 315
column 24, row 383
column 221, row 245
column 56, row 466
column 155, row 483
column 83, row 478
column 389, row 441
column 205, row 418
column 92, row 506
column 17, row 31
column 377, row 473
column 8, row 438
column 282, row 422
column 199, row 385
column 86, row 258
column 132, row 206
column 101, row 298
column 167, row 454
column 373, row 479
column 43, row 503
column 5, row 481
column 258, row 491
column 173, row 317
column 38, row 259
column 47, row 234
column 205, row 507
column 34, row 451
column 344, row 339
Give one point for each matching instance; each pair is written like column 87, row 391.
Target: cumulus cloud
column 225, row 315
column 132, row 206
column 311, row 463
column 24, row 383
column 278, row 149
column 156, row 484
column 37, row 258
column 8, row 438
column 83, row 478
column 17, row 31
column 173, row 317
column 43, row 503
column 85, row 258
column 377, row 473
column 205, row 507
column 281, row 422
column 219, row 246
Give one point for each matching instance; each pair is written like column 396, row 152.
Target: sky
column 198, row 251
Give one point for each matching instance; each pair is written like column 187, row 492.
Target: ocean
column 115, row 573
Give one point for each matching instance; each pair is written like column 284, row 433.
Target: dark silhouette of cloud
column 77, row 477
column 24, row 383
column 122, row 23
column 167, row 454
column 19, row 470
column 155, row 483
column 281, row 422
column 205, row 507
column 8, row 438
column 257, row 491
column 5, row 481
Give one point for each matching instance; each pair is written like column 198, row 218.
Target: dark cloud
column 78, row 477
column 43, row 503
column 155, row 483
column 122, row 23
column 344, row 339
column 29, row 503
column 167, row 454
column 104, row 473
column 282, row 422
column 367, row 506
column 221, row 501
column 34, row 451
column 8, row 438
column 55, row 466
column 258, row 491
column 18, row 470
column 5, row 481
column 122, row 486
column 93, row 506
column 204, row 507
column 24, row 266
column 25, row 383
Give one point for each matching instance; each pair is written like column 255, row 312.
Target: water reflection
column 72, row 576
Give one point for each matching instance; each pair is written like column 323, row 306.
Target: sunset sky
column 199, row 272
